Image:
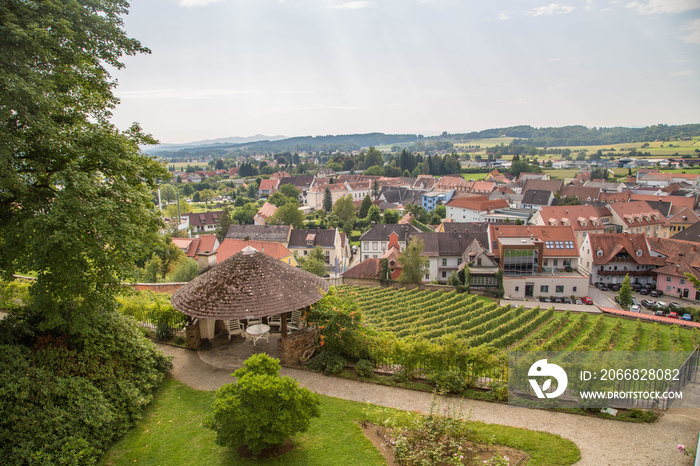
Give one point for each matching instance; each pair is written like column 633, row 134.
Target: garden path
column 602, row 442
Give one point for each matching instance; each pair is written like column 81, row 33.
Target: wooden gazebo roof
column 248, row 284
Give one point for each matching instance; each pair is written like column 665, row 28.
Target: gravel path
column 602, row 442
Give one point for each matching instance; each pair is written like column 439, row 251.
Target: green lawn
column 474, row 176
column 171, row 433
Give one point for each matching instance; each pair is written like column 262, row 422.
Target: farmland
column 475, row 320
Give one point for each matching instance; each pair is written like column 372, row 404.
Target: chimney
column 206, row 260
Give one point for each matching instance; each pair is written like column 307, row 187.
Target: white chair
column 254, row 321
column 235, row 327
column 295, row 322
column 275, row 321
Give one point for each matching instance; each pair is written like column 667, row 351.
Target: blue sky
column 223, row 68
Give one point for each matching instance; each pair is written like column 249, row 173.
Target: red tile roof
column 604, row 247
column 479, row 204
column 265, row 212
column 368, row 268
column 580, row 217
column 559, row 241
column 232, row 246
column 637, row 213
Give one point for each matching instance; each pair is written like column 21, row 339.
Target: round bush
column 262, row 409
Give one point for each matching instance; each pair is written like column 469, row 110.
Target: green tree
column 290, row 191
column 168, row 193
column 413, row 264
column 344, row 209
column 245, row 214
column 278, row 199
column 374, row 214
column 375, row 189
column 188, row 190
column 569, row 200
column 391, row 217
column 288, row 214
column 71, row 181
column 261, row 409
column 314, row 263
column 364, row 207
column 625, row 293
column 185, row 270
column 225, row 221
column 327, row 200
column 441, row 211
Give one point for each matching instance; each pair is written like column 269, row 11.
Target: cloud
column 691, row 31
column 351, row 5
column 196, row 3
column 679, row 74
column 504, row 15
column 552, row 9
column 655, row 7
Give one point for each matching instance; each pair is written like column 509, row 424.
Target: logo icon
column 542, row 368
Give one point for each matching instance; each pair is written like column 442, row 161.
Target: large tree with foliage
column 327, row 200
column 288, row 214
column 364, row 207
column 314, row 263
column 625, row 293
column 344, row 209
column 414, row 265
column 75, row 195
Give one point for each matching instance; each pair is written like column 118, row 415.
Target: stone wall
column 291, row 348
column 169, row 288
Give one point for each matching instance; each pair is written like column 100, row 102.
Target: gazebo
column 247, row 285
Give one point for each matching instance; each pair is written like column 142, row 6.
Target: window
column 569, row 244
column 668, row 279
column 639, row 253
column 459, row 261
column 668, row 288
column 375, row 245
column 549, row 244
column 306, row 253
column 544, row 289
column 682, row 281
column 599, row 252
column 444, row 262
column 444, row 274
column 573, row 290
column 517, row 288
column 555, row 262
column 478, row 262
column 560, row 244
column 545, row 262
column 427, row 276
column 560, row 289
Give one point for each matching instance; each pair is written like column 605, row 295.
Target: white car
column 635, row 308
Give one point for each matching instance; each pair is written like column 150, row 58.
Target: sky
column 222, row 68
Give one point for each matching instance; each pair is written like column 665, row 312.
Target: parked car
column 578, row 301
column 649, row 304
column 635, row 308
column 566, row 300
column 636, row 286
column 659, row 312
column 687, row 317
column 644, row 291
column 601, row 286
column 544, row 299
column 661, row 305
column 635, row 302
column 557, row 300
column 674, row 306
column 673, row 315
column 614, row 287
column 587, row 300
column 656, row 293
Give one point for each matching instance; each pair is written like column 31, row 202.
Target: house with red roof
column 583, row 219
column 264, row 213
column 268, row 186
column 609, row 257
column 472, row 209
column 639, row 217
column 538, row 260
column 231, row 246
column 193, row 246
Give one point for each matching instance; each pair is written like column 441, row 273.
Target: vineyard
column 475, row 320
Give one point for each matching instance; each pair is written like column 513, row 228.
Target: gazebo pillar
column 284, row 325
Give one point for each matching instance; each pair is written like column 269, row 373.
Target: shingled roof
column 248, row 284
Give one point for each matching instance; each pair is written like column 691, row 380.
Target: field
column 476, row 320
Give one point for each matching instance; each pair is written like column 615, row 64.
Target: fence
column 688, row 372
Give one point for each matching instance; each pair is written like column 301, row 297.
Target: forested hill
column 345, row 143
column 581, row 135
column 525, row 135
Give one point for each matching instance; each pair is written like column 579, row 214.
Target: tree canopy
column 413, row 264
column 75, row 195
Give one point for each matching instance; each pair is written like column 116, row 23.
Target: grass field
column 171, row 433
column 474, row 176
column 477, row 320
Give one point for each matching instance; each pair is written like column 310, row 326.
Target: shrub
column 151, row 308
column 14, row 294
column 262, row 409
column 65, row 400
column 499, row 390
column 448, row 381
column 328, row 362
column 163, row 331
column 185, row 270
column 364, row 368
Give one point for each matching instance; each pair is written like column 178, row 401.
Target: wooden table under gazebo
column 247, row 285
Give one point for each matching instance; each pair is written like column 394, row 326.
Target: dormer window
column 599, row 252
column 639, row 253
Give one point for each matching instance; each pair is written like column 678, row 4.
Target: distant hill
column 212, row 142
column 581, row 135
column 344, row 142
